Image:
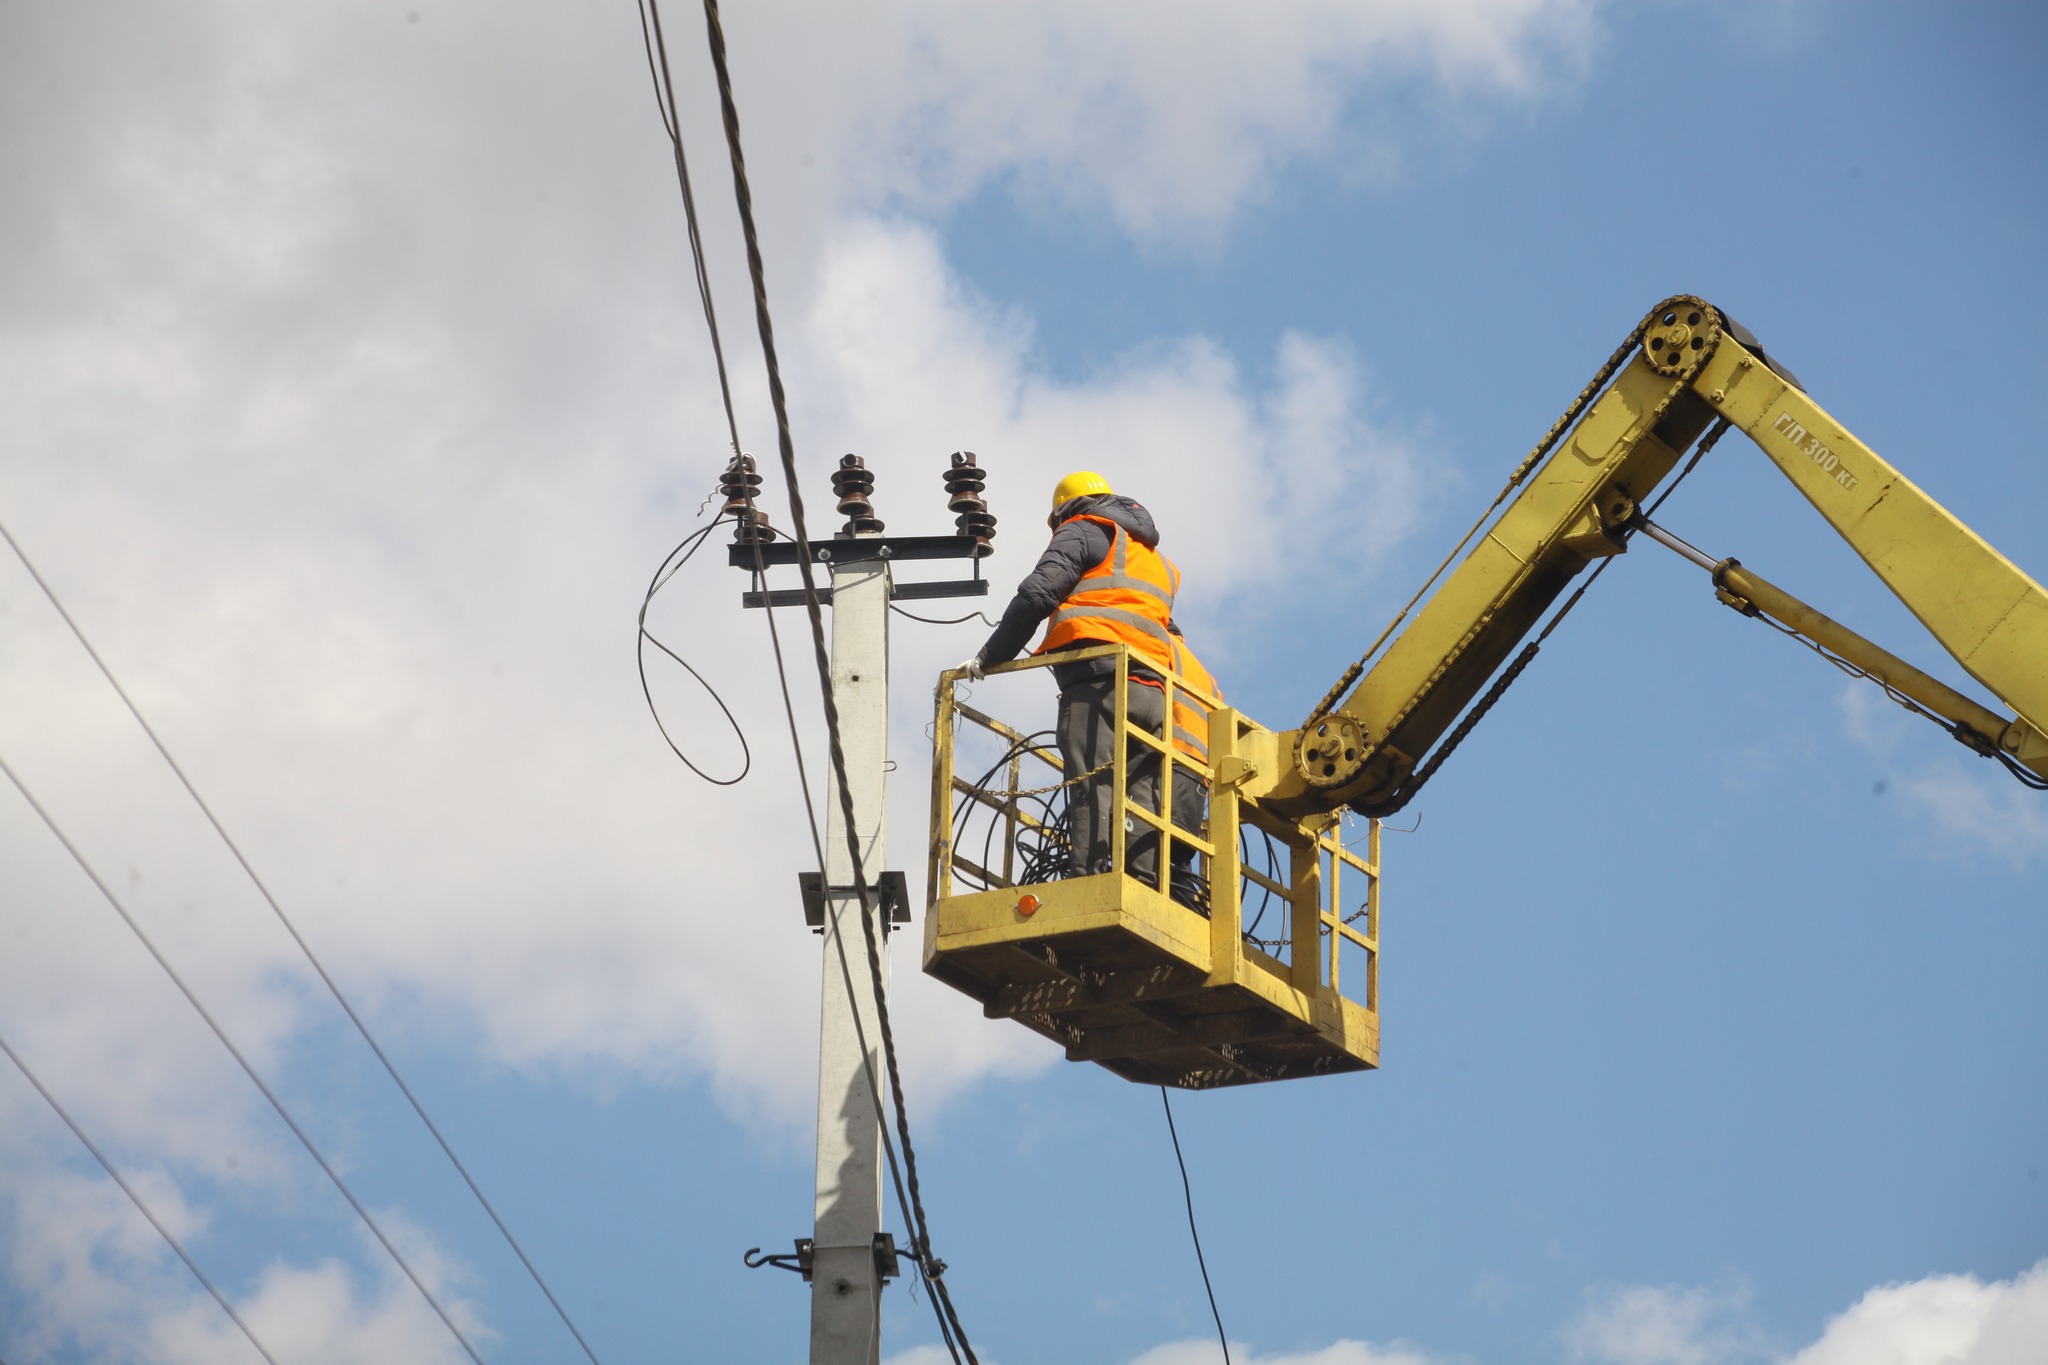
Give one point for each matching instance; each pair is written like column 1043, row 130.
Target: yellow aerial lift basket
column 1166, row 983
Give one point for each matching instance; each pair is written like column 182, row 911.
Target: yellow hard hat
column 1079, row 484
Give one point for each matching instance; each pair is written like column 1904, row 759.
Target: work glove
column 971, row 669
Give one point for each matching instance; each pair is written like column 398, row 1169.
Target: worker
column 1101, row 580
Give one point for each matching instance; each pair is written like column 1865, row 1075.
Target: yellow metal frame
column 1119, row 972
column 1578, row 506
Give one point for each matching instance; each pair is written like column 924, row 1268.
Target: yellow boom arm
column 1685, row 369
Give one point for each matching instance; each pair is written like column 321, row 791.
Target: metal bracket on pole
column 887, row 1264
column 865, row 550
column 900, row 592
column 799, row 1260
column 889, row 888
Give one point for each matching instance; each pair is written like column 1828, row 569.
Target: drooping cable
column 787, row 449
column 1188, row 1190
column 654, row 43
column 241, row 1060
column 140, row 1205
column 945, row 620
column 677, row 558
column 928, row 1266
column 305, row 948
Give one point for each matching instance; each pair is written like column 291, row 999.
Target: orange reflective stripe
column 1191, row 713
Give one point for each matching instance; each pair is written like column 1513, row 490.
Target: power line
column 235, row 1052
column 929, row 1267
column 945, row 620
column 304, row 947
column 689, row 547
column 1188, row 1190
column 787, row 449
column 137, row 1200
column 671, row 122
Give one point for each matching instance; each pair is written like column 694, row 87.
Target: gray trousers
column 1086, row 730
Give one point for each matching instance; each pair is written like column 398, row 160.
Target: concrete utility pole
column 846, row 1279
column 848, row 1258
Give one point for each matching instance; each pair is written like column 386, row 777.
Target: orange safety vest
column 1190, row 714
column 1126, row 599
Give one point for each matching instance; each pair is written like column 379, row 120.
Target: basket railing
column 1242, row 855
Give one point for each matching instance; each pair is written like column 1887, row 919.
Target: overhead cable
column 943, row 620
column 1188, row 1190
column 787, row 449
column 679, row 557
column 233, row 1051
column 653, row 43
column 927, row 1266
column 137, row 1200
column 319, row 967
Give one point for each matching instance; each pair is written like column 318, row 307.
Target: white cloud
column 1968, row 805
column 1662, row 1325
column 350, row 425
column 900, row 356
column 1208, row 1352
column 922, row 1355
column 323, row 1314
column 1995, row 815
column 1169, row 116
column 1941, row 1320
column 106, row 1289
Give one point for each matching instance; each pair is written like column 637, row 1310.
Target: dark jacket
column 1076, row 547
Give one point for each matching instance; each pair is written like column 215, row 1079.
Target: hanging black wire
column 944, row 620
column 1265, row 894
column 1188, row 1190
column 1043, row 841
column 1044, row 849
column 670, row 566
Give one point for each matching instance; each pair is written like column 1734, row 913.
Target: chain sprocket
column 1680, row 335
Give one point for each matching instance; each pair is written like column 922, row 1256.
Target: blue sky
column 356, row 384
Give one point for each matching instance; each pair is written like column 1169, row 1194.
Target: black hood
column 1128, row 513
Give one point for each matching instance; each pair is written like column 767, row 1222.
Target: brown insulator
column 853, row 483
column 740, row 484
column 964, row 476
column 978, row 524
column 965, row 480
